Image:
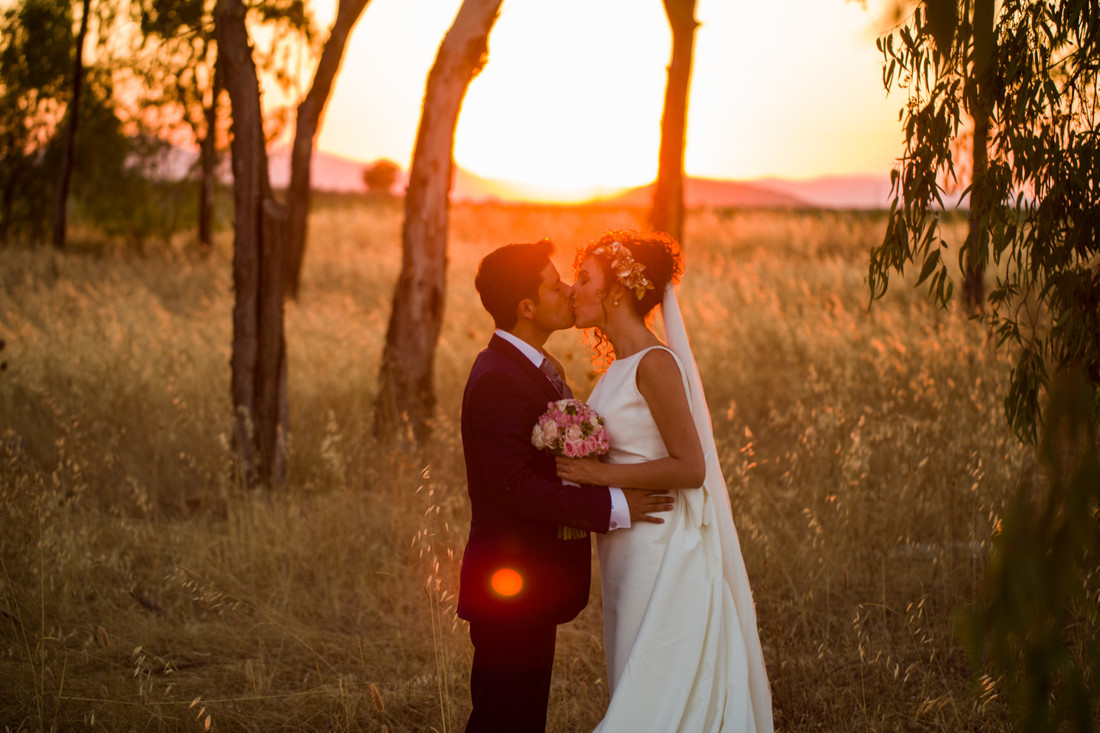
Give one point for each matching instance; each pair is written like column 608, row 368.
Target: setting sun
column 577, row 109
column 569, row 104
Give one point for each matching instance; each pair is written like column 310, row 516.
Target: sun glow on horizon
column 575, row 109
column 569, row 104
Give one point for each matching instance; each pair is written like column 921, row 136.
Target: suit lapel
column 537, row 377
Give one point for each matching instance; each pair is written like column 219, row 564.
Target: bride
column 683, row 652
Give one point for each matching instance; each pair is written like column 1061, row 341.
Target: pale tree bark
column 406, row 393
column 68, row 150
column 259, row 348
column 310, row 112
column 667, row 214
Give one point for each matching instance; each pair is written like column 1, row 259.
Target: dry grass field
column 140, row 589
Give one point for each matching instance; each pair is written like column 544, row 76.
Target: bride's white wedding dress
column 683, row 652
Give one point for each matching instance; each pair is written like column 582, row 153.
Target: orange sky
column 571, row 97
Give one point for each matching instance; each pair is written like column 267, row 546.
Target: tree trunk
column 973, row 286
column 259, row 346
column 208, row 182
column 406, row 394
column 978, row 94
column 68, row 150
column 668, row 194
column 309, row 119
column 7, row 199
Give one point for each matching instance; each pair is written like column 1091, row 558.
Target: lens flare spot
column 507, row 582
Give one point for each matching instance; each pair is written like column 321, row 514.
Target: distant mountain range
column 334, row 173
column 719, row 193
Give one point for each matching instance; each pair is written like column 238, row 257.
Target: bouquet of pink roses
column 571, row 428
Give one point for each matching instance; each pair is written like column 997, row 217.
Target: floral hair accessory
column 626, row 269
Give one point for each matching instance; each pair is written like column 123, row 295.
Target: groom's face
column 554, row 310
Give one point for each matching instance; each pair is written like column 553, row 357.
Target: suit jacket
column 518, row 502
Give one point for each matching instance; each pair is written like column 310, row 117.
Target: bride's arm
column 661, row 385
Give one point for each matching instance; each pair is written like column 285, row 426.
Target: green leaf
column 930, row 263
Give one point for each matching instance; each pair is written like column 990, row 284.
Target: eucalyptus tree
column 667, row 214
column 406, row 392
column 258, row 362
column 178, row 66
column 72, row 120
column 1017, row 81
column 181, row 82
column 1022, row 75
column 36, row 39
column 308, row 119
column 262, row 235
column 380, row 177
column 54, row 100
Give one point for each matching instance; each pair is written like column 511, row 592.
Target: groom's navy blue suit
column 517, row 505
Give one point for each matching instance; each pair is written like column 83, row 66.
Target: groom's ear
column 525, row 308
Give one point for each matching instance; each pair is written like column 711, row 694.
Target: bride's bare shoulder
column 658, row 369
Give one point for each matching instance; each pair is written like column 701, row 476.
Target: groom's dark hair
column 510, row 274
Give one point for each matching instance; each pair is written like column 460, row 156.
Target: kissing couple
column 683, row 651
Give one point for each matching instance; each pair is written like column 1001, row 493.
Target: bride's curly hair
column 662, row 263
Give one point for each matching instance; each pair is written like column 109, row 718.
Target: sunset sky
column 571, row 97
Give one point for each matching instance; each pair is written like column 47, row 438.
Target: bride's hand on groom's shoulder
column 579, row 470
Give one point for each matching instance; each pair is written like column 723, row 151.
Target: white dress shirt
column 620, row 512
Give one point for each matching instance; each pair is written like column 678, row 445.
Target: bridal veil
column 712, row 506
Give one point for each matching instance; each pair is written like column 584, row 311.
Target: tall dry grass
column 865, row 451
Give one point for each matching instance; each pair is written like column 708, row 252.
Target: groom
column 520, row 578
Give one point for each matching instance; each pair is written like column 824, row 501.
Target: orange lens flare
column 507, row 582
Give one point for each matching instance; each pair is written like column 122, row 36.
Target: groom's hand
column 643, row 503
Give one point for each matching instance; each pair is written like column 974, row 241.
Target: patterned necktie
column 547, row 367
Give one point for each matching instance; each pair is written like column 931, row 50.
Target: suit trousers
column 510, row 679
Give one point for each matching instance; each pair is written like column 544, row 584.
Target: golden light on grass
column 376, row 698
column 507, row 582
column 882, row 428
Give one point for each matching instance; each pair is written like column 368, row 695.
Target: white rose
column 550, row 432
